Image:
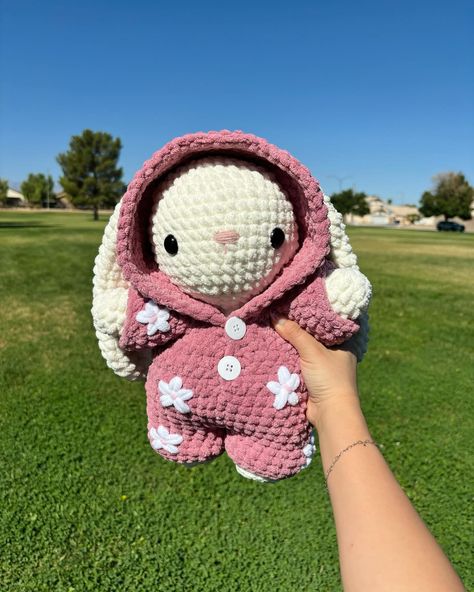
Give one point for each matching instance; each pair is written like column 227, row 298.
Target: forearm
column 383, row 543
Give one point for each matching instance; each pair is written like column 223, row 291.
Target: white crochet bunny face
column 222, row 229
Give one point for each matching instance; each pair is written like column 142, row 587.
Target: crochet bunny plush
column 217, row 232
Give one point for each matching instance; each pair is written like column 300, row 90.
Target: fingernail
column 278, row 321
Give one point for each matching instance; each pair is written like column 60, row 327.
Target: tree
column 38, row 189
column 451, row 196
column 3, row 191
column 349, row 202
column 90, row 174
column 412, row 218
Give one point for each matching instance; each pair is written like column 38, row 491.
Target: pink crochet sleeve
column 148, row 325
column 311, row 309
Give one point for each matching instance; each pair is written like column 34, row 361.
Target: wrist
column 334, row 410
column 339, row 423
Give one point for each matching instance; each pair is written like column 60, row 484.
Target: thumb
column 301, row 340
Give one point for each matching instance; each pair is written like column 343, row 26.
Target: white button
column 228, row 367
column 235, row 328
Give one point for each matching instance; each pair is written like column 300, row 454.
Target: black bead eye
column 171, row 244
column 277, row 238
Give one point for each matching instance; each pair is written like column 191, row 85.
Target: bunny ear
column 109, row 307
column 344, row 257
column 341, row 250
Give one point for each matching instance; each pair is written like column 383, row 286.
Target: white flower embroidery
column 155, row 317
column 284, row 389
column 161, row 438
column 309, row 450
column 172, row 394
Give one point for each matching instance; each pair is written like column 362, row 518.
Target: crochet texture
column 193, row 319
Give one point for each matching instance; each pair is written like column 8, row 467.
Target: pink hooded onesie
column 228, row 382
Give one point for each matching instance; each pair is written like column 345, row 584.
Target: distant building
column 15, row 199
column 405, row 214
column 63, row 201
column 383, row 213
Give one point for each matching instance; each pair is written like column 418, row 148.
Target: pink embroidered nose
column 225, row 237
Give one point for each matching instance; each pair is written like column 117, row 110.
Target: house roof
column 14, row 194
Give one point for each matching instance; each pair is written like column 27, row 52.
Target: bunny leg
column 264, row 460
column 173, row 429
column 184, row 443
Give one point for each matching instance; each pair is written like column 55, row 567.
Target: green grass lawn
column 87, row 505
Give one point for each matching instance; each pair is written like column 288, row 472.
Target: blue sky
column 381, row 92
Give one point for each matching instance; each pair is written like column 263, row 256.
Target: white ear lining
column 109, row 307
column 341, row 250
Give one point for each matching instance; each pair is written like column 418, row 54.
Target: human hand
column 330, row 374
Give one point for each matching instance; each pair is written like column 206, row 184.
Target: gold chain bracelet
column 363, row 442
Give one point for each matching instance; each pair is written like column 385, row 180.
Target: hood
column 134, row 251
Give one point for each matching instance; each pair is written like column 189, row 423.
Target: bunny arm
column 139, row 333
column 348, row 291
column 332, row 306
